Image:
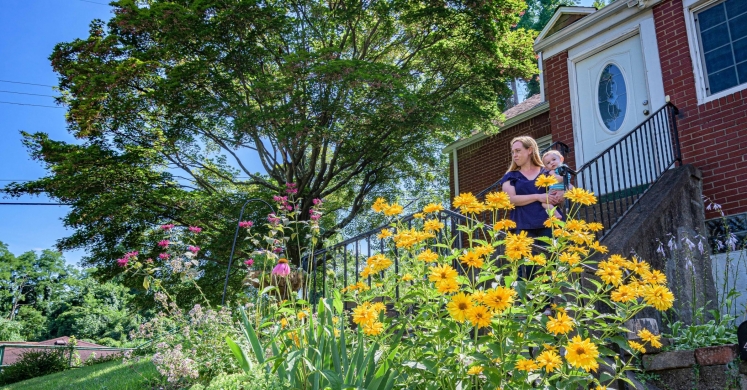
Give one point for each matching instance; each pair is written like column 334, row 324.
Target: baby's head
column 552, row 159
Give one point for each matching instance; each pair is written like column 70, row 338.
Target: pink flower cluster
column 273, row 219
column 163, row 243
column 290, row 188
column 249, row 262
column 167, row 226
column 126, row 259
column 193, row 249
column 164, row 256
column 246, row 224
column 195, row 229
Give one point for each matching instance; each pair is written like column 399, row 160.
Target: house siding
column 713, row 135
column 558, row 94
column 485, row 162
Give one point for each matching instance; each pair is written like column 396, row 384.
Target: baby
column 553, row 159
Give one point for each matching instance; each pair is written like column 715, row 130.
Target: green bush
column 255, row 380
column 10, row 330
column 33, row 364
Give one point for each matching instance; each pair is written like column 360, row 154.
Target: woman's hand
column 522, row 200
column 556, row 197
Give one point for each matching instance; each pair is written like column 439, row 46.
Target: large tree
column 344, row 98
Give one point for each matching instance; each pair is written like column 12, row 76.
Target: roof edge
column 529, row 114
column 561, row 10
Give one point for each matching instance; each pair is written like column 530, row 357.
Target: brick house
column 606, row 73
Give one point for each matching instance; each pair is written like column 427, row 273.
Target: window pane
column 719, row 59
column 715, row 37
column 711, row 17
column 735, row 7
column 740, row 50
column 738, row 27
column 722, row 80
column 612, row 97
column 742, row 72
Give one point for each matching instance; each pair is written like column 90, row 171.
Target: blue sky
column 29, row 29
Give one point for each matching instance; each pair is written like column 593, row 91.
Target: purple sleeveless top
column 533, row 215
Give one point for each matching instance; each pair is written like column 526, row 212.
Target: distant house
column 13, row 354
column 607, row 72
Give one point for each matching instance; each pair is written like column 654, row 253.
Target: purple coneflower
column 282, row 269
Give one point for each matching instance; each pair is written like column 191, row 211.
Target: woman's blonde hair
column 551, row 152
column 529, row 143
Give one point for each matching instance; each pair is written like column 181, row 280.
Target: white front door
column 612, row 97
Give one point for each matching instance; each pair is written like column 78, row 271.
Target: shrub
column 10, row 330
column 33, row 364
column 254, row 380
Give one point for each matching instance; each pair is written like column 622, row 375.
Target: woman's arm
column 522, row 200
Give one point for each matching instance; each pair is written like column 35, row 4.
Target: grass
column 105, row 376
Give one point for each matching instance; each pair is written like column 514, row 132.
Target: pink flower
column 280, row 199
column 289, row 207
column 282, row 269
column 316, row 201
column 122, row 262
column 246, row 224
column 164, row 256
column 193, row 249
column 277, row 250
column 249, row 262
column 167, row 227
column 315, row 216
column 128, row 255
column 290, row 188
column 149, row 260
column 163, row 243
column 195, row 229
column 273, row 219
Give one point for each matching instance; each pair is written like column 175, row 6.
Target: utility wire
column 31, row 94
column 93, row 2
column 33, row 204
column 18, row 82
column 33, row 105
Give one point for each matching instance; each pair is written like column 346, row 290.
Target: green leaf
column 244, row 362
column 251, row 337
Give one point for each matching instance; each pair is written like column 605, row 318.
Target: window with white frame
column 722, row 33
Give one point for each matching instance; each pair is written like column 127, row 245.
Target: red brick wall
column 713, row 135
column 485, row 162
column 558, row 94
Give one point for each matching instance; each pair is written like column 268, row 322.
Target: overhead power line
column 93, row 2
column 19, row 82
column 32, row 204
column 33, row 105
column 31, row 94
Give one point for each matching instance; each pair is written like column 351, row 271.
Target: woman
column 518, row 183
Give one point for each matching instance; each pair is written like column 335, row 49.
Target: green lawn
column 105, row 376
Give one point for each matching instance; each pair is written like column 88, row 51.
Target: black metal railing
column 622, row 173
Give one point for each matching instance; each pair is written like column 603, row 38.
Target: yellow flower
column 552, row 221
column 335, row 320
column 301, row 315
column 658, row 296
column 419, row 215
column 294, row 336
column 498, row 201
column 364, row 314
column 484, row 250
column 407, row 238
column 432, row 208
column 560, row 324
column 623, row 293
column 475, row 370
column 427, row 256
column 649, row 337
column 283, row 323
column 378, row 263
column 441, row 273
column 384, row 234
column 550, row 347
column 581, row 196
column 594, row 226
column 337, row 332
column 432, row 225
column 379, row 205
column 518, row 246
column 447, row 286
column 577, row 270
column 549, row 360
column 394, row 209
column 479, row 296
column 619, row 260
column 610, row 273
column 471, row 259
column 655, row 277
column 575, row 225
column 407, row 277
column 458, row 307
column 582, row 354
column 538, row 259
column 499, row 298
column 467, row 203
column 373, row 328
column 639, row 267
column 378, row 307
column 544, row 181
column 479, row 316
column 577, row 249
column 570, row 258
column 599, row 247
column 637, row 346
column 526, row 365
column 504, row 224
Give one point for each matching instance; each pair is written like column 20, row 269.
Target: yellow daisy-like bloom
column 575, row 225
column 407, row 238
column 577, row 270
column 479, row 316
column 526, row 365
column 374, row 328
column 544, row 181
column 619, row 260
column 498, row 201
column 594, row 226
column 549, row 360
column 393, row 209
column 504, row 224
column 610, row 273
column 367, row 271
column 378, row 307
column 301, row 315
column 655, row 277
column 570, row 258
column 407, row 277
column 598, row 247
column 335, row 320
column 538, row 259
column 518, row 246
column 432, row 208
column 468, row 203
column 578, row 249
column 479, row 296
column 581, row 196
column 581, row 237
column 384, row 234
column 560, row 324
column 427, row 256
column 499, row 298
column 432, row 225
column 484, row 250
column 471, row 259
column 649, row 337
column 658, row 296
column 623, row 293
column 283, row 323
column 379, row 205
column 419, row 215
column 364, row 314
column 458, row 307
column 378, row 262
column 550, row 347
column 337, row 332
column 447, row 286
column 582, row 354
column 638, row 266
column 475, row 370
column 441, row 273
column 636, row 346
column 552, row 221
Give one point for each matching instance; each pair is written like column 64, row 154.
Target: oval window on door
column 613, row 98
